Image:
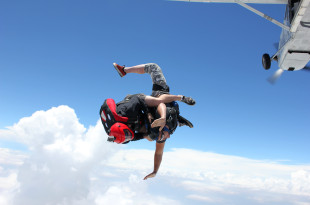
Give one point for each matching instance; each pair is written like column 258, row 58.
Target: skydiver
column 167, row 117
column 160, row 88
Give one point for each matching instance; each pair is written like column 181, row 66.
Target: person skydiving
column 141, row 110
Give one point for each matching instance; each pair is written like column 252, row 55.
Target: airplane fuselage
column 294, row 45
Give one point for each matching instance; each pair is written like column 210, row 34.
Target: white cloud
column 8, row 186
column 10, row 157
column 132, row 191
column 201, row 198
column 69, row 164
column 216, row 178
column 222, row 169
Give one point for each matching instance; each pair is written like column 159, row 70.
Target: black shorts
column 158, row 90
column 132, row 106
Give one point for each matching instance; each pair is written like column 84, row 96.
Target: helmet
column 121, row 132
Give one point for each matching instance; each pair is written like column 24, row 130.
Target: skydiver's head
column 120, row 133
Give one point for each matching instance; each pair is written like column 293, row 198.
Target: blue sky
column 61, row 53
column 249, row 137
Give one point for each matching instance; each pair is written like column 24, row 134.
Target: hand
column 166, row 135
column 161, row 122
column 163, row 135
column 153, row 174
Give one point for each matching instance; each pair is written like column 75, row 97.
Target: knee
column 155, row 66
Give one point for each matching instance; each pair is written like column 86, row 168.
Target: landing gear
column 266, row 61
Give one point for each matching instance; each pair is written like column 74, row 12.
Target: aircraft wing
column 244, row 1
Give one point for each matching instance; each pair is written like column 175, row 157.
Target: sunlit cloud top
column 70, row 164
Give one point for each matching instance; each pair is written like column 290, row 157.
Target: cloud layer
column 69, row 164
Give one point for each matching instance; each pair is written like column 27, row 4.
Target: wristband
column 166, row 129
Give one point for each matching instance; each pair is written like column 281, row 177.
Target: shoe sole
column 190, row 103
column 186, row 121
column 116, row 68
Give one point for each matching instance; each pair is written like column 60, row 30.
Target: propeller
column 275, row 76
column 307, row 68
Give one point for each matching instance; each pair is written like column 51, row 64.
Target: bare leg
column 158, row 78
column 166, row 98
column 135, row 69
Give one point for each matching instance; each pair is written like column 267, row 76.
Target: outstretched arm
column 157, row 159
